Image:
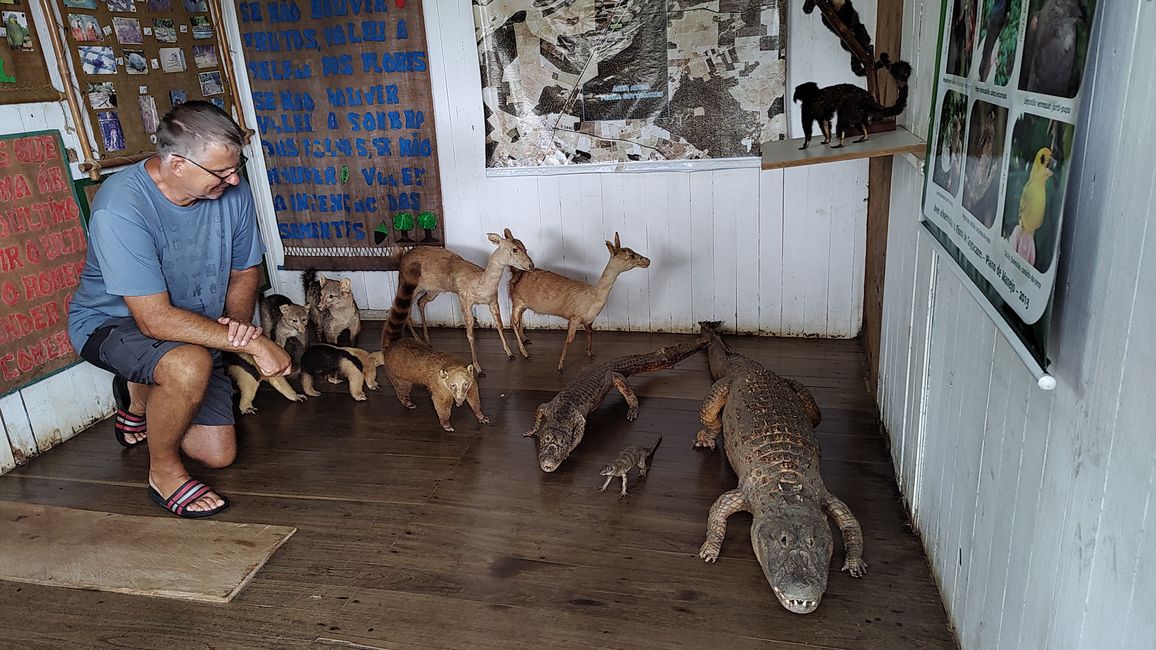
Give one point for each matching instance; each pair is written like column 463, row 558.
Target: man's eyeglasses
column 223, row 174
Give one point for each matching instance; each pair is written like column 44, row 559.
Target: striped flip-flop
column 126, row 422
column 188, row 493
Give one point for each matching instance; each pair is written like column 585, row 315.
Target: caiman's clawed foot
column 632, row 414
column 857, row 567
column 709, row 550
column 704, row 439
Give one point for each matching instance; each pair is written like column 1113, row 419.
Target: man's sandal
column 127, row 423
column 188, row 493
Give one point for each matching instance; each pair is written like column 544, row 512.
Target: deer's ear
column 494, row 238
column 508, row 234
column 610, row 247
column 616, row 243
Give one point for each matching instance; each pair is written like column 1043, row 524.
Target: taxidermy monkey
column 854, row 105
column 849, row 17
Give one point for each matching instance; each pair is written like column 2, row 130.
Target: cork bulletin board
column 345, row 114
column 134, row 60
column 23, row 72
column 42, row 250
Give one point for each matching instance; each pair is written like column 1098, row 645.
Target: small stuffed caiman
column 560, row 423
column 769, row 422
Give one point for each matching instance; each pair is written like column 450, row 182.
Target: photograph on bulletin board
column 346, row 120
column 134, row 61
column 1003, row 124
column 23, row 71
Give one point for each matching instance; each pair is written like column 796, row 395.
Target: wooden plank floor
column 412, row 537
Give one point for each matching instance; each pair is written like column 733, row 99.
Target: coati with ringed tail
column 410, row 361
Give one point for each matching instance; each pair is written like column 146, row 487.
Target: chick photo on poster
column 1055, row 46
column 962, row 37
column 985, row 146
column 998, row 41
column 1037, row 177
column 949, row 149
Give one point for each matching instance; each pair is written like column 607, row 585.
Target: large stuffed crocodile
column 560, row 423
column 768, row 422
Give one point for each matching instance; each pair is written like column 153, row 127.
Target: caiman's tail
column 407, row 283
column 661, row 358
column 718, row 352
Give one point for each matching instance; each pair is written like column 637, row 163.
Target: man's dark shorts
column 121, row 348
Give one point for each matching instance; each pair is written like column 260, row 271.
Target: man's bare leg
column 138, row 401
column 179, row 382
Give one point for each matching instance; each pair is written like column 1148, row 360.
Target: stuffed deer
column 543, row 292
column 442, row 271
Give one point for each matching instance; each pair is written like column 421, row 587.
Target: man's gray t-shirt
column 140, row 243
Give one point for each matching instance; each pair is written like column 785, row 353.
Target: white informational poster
column 1009, row 87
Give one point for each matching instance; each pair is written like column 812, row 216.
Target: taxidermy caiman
column 769, row 424
column 560, row 423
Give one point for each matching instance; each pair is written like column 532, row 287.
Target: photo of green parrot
column 16, row 26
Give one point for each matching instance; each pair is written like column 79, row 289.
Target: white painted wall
column 768, row 252
column 1035, row 507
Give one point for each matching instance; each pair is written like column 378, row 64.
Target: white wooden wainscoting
column 778, row 252
column 1036, row 507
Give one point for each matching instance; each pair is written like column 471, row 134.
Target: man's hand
column 240, row 332
column 272, row 360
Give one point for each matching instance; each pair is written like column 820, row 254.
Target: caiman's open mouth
column 796, row 605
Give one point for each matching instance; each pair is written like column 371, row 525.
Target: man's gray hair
column 193, row 127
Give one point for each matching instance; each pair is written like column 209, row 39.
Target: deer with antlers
column 543, row 292
column 442, row 271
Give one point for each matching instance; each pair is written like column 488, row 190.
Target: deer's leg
column 516, row 325
column 566, row 344
column 468, row 312
column 589, row 339
column 497, row 314
column 421, row 303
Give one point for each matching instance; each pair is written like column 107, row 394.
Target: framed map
column 568, row 82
